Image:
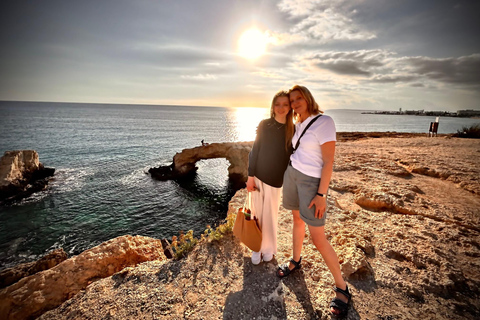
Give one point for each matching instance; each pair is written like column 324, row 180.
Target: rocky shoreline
column 404, row 216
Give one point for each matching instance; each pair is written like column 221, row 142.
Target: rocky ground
column 403, row 219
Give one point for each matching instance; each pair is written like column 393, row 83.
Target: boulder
column 46, row 290
column 21, row 174
column 50, row 260
column 15, row 164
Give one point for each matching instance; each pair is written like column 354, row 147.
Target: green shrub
column 185, row 243
column 469, row 132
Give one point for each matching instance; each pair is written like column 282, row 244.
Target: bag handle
column 305, row 130
column 248, row 205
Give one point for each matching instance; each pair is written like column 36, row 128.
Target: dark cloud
column 379, row 66
column 393, row 78
column 357, row 63
column 463, row 70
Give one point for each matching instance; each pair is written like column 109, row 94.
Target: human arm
column 328, row 155
column 251, row 186
column 252, row 160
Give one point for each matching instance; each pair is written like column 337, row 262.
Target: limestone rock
column 184, row 162
column 50, row 260
column 21, row 174
column 14, row 164
column 354, row 260
column 33, row 295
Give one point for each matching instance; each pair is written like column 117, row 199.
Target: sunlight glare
column 247, row 121
column 252, row 44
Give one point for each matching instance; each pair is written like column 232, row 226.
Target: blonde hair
column 290, row 127
column 312, row 105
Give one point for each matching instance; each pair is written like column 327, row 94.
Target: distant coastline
column 458, row 114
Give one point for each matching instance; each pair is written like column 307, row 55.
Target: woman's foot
column 267, row 257
column 256, row 257
column 287, row 268
column 339, row 305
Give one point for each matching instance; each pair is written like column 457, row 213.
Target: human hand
column 320, row 206
column 251, row 184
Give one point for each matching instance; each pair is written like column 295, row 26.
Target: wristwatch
column 321, row 195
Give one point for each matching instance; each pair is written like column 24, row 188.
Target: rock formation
column 33, row 295
column 407, row 239
column 50, row 260
column 21, row 174
column 184, row 162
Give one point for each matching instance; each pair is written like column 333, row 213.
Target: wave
column 71, row 179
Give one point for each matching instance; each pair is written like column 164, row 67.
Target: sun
column 252, row 44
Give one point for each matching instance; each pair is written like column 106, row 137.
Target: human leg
column 269, row 224
column 256, row 206
column 331, row 260
column 298, row 236
column 291, row 201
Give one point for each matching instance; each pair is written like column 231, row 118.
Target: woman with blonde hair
column 267, row 162
column 305, row 188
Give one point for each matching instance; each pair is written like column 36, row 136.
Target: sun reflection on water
column 247, row 120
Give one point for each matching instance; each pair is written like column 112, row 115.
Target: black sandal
column 285, row 268
column 338, row 304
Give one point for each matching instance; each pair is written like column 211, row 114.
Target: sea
column 102, row 152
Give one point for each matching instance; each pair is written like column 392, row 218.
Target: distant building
column 415, row 112
column 468, row 113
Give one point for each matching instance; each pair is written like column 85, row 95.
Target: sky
column 363, row 54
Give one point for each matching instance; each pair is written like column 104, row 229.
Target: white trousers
column 264, row 205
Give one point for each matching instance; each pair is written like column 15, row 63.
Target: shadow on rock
column 297, row 284
column 262, row 294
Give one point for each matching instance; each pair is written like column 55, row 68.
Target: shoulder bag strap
column 305, row 130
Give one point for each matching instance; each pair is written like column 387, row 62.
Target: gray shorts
column 298, row 191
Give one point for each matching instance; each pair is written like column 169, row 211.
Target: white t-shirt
column 308, row 157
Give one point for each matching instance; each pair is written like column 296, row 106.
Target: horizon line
column 210, row 106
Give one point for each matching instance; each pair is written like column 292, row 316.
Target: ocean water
column 101, row 154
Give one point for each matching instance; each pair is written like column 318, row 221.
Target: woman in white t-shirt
column 305, row 188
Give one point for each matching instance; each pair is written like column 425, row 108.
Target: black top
column 268, row 159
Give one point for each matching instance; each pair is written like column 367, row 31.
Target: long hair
column 312, row 105
column 290, row 127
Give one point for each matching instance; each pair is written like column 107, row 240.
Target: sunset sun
column 252, row 44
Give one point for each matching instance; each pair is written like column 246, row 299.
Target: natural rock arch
column 184, row 163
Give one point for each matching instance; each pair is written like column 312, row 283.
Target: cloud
column 394, row 78
column 363, row 62
column 381, row 66
column 463, row 70
column 201, row 77
column 305, row 7
column 328, row 26
column 321, row 21
column 417, row 85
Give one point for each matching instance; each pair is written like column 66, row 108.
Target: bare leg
column 331, row 260
column 298, row 236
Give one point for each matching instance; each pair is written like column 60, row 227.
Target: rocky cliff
column 21, row 174
column 403, row 219
column 45, row 290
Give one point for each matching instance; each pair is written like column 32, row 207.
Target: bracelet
column 321, row 195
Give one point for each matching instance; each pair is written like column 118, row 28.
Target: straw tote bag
column 246, row 227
